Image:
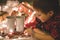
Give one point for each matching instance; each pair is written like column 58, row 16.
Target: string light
column 31, row 17
column 29, row 10
column 10, row 31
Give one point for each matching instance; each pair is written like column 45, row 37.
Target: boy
column 48, row 20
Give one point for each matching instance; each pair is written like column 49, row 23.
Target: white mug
column 10, row 23
column 20, row 23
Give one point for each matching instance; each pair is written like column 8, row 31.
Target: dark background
column 30, row 1
column 4, row 1
column 59, row 2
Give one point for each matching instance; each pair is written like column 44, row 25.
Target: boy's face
column 43, row 16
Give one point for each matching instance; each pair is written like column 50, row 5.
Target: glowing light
column 0, row 8
column 23, row 3
column 28, row 5
column 1, row 31
column 24, row 38
column 10, row 31
column 0, row 27
column 29, row 10
column 4, row 26
column 6, row 7
column 20, row 8
column 31, row 17
column 19, row 14
column 1, row 37
column 15, row 8
column 26, row 34
column 19, row 38
column 6, row 37
column 14, row 39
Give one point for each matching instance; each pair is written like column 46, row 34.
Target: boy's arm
column 41, row 35
column 38, row 34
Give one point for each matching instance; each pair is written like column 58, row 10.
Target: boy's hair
column 45, row 5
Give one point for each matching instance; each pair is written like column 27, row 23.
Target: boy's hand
column 39, row 34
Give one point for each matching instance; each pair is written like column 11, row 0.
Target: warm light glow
column 29, row 10
column 4, row 26
column 14, row 39
column 26, row 34
column 23, row 3
column 19, row 38
column 31, row 17
column 5, row 7
column 24, row 38
column 1, row 37
column 0, row 27
column 6, row 37
column 28, row 5
column 1, row 31
column 15, row 8
column 20, row 8
column 11, row 31
column 0, row 8
column 19, row 14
